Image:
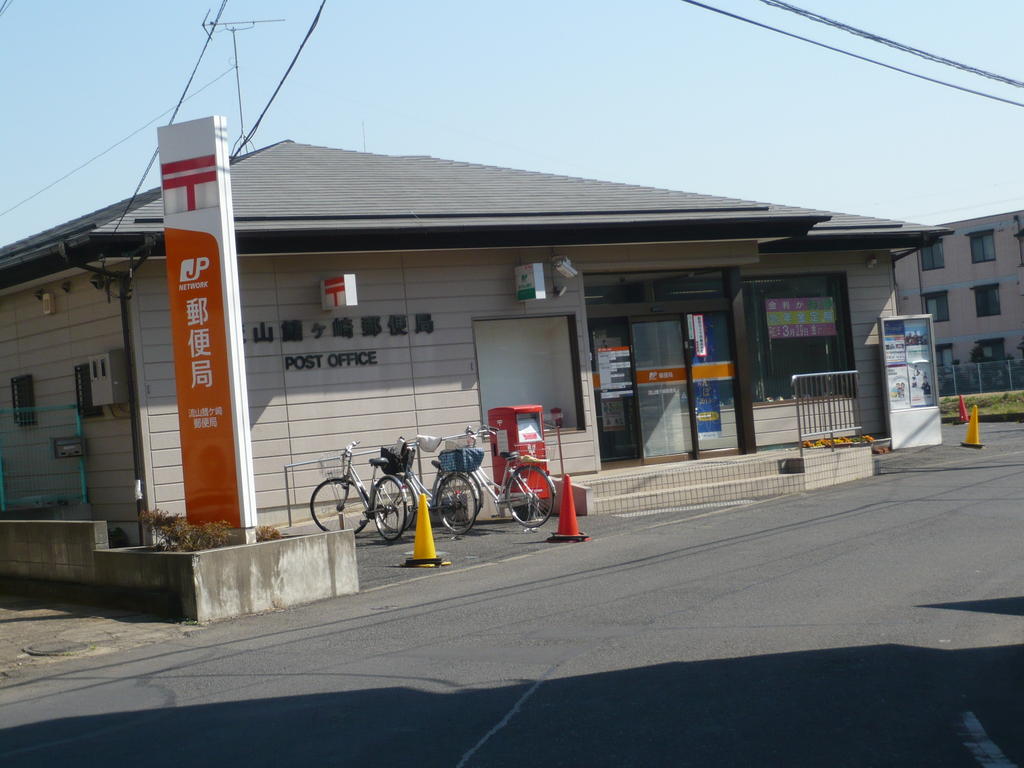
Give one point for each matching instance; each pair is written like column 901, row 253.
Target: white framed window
column 530, row 361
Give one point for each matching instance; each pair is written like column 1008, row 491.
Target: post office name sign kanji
column 340, row 328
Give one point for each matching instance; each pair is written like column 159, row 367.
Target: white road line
column 980, row 745
column 691, row 508
column 507, row 718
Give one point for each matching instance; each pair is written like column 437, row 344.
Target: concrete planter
column 823, row 467
column 235, row 581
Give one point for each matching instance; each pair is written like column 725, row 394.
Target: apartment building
column 970, row 282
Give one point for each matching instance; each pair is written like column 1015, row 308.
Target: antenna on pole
column 235, row 27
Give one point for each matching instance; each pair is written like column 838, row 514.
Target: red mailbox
column 520, row 428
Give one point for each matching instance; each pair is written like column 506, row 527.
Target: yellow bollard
column 424, row 555
column 973, row 439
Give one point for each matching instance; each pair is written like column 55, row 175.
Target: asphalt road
column 873, row 624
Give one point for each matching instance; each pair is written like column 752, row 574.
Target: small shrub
column 267, row 533
column 174, row 533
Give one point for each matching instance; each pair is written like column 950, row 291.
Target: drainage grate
column 690, row 508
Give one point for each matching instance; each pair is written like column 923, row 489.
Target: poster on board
column 898, row 387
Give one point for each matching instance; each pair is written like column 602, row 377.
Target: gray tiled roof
column 298, row 187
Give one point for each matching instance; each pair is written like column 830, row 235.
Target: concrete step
column 707, row 472
column 670, row 497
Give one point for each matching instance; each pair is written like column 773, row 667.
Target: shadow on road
column 883, row 705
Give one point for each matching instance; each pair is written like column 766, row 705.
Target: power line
column 152, row 159
column 109, row 149
column 247, row 138
column 893, row 43
column 5, row 5
column 853, row 55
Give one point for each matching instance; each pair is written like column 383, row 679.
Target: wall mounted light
column 872, row 262
column 49, row 306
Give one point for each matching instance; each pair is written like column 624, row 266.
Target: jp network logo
column 191, row 269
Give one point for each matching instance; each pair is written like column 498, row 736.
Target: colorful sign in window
column 800, row 317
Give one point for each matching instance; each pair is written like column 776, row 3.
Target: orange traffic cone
column 424, row 555
column 973, row 439
column 963, row 411
column 568, row 530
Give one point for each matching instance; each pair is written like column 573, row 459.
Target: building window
column 931, row 256
column 944, row 353
column 23, row 398
column 983, row 247
column 986, row 300
column 937, row 305
column 987, row 350
column 795, row 325
column 530, row 360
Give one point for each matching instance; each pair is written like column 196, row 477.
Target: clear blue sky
column 652, row 92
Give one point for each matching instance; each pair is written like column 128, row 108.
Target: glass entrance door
column 712, row 370
column 664, row 387
column 662, row 397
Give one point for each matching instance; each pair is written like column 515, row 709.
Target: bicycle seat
column 379, row 463
column 435, row 463
column 509, row 455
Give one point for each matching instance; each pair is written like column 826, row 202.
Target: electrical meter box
column 520, row 428
column 108, row 377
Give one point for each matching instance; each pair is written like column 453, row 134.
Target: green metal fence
column 42, row 461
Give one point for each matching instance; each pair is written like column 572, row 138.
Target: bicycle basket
column 398, row 461
column 461, row 459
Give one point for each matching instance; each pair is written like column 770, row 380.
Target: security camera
column 564, row 267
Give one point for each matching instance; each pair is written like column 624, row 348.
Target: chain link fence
column 976, row 378
column 41, row 457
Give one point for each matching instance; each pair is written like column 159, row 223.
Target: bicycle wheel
column 457, row 502
column 530, row 495
column 389, row 506
column 328, row 502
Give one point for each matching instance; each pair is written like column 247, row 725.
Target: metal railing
column 826, row 405
column 977, row 378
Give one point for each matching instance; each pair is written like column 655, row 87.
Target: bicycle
column 385, row 503
column 453, row 496
column 526, row 488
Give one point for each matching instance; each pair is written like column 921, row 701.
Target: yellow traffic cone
column 973, row 431
column 424, row 555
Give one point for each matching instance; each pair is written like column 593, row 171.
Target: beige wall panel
column 499, row 284
column 166, row 475
column 468, row 382
column 164, row 423
column 330, row 428
column 268, row 415
column 443, row 352
column 167, row 458
column 272, row 448
column 274, row 431
column 326, row 409
column 458, row 398
column 350, row 391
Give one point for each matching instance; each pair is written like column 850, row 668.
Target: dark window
column 983, row 247
column 83, row 392
column 23, row 397
column 986, row 300
column 944, row 352
column 795, row 325
column 937, row 305
column 991, row 349
column 931, row 256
